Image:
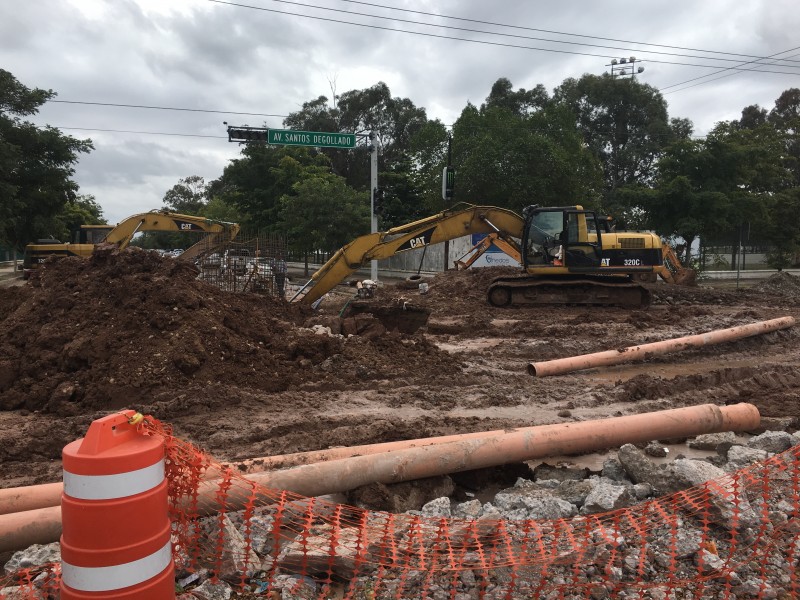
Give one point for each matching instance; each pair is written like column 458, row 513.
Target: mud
column 245, row 375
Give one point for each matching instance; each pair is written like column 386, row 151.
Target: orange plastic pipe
column 19, row 530
column 645, row 351
column 283, row 461
column 516, row 446
column 31, row 497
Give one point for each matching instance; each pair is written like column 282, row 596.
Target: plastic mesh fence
column 735, row 537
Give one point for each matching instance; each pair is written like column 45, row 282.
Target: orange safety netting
column 728, row 538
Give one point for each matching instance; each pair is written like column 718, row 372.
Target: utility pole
column 448, row 179
column 373, row 186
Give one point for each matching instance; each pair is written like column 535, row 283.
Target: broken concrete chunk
column 710, row 441
column 772, row 441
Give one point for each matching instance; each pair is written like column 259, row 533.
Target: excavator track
column 578, row 290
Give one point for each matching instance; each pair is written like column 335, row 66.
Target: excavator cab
column 559, row 237
column 91, row 234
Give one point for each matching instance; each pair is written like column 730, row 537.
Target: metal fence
column 251, row 263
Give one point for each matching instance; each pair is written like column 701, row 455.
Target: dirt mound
column 119, row 328
column 781, row 283
column 454, row 292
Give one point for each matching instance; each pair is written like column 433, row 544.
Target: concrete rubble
column 551, row 493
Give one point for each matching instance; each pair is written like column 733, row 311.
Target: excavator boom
column 447, row 225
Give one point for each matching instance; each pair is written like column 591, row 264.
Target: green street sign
column 319, row 139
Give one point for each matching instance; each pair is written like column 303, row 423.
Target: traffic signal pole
column 373, row 186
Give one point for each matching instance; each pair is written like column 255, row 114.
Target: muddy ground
column 248, row 375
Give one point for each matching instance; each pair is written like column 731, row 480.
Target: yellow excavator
column 217, row 234
column 568, row 255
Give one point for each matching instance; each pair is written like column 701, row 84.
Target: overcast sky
column 261, row 56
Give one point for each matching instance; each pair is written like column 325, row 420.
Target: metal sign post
column 373, row 185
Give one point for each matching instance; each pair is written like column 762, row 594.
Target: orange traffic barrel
column 115, row 540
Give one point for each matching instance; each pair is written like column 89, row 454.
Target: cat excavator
column 568, row 254
column 217, row 233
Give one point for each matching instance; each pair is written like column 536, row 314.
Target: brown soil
column 246, row 375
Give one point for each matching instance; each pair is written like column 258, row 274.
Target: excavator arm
column 673, row 271
column 436, row 229
column 219, row 232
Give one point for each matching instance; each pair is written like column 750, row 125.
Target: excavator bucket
column 395, row 315
column 685, row 276
column 676, row 272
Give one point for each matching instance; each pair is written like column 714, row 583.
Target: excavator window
column 92, row 234
column 579, row 251
column 543, row 236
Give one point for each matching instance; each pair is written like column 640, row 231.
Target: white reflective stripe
column 103, row 579
column 121, row 485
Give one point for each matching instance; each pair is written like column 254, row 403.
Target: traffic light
column 247, row 134
column 377, row 200
column 448, row 182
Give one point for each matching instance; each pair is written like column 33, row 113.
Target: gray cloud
column 195, row 54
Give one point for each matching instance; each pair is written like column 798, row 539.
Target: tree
column 785, row 117
column 428, row 154
column 255, row 183
column 402, row 197
column 710, row 187
column 521, row 103
column 188, row 196
column 36, row 165
column 511, row 159
column 626, row 126
column 784, row 230
column 84, row 210
column 323, row 214
column 394, row 120
column 753, row 116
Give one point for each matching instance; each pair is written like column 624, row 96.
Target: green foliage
column 84, row 210
column 219, row 210
column 187, row 197
column 323, row 213
column 521, row 103
column 513, row 158
column 784, row 230
column 605, row 143
column 36, row 166
column 709, row 187
column 403, row 200
column 428, row 154
column 626, row 126
column 785, row 118
column 395, row 121
column 255, row 183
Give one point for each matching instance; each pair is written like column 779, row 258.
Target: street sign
column 319, row 139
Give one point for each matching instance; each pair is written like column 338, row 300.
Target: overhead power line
column 195, row 135
column 485, row 42
column 580, row 35
column 198, row 110
column 524, row 37
column 729, row 74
